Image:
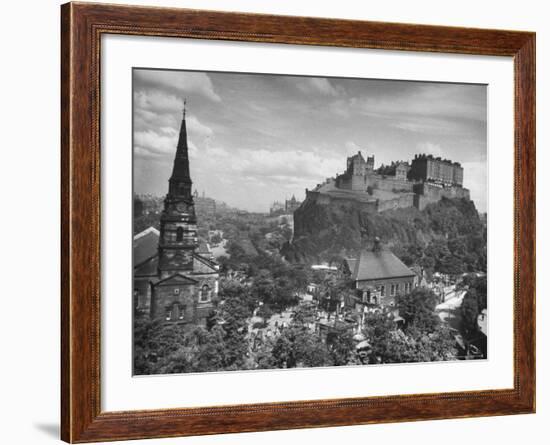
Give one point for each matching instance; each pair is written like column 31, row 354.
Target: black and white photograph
column 285, row 221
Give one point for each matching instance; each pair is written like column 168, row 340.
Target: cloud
column 176, row 83
column 475, row 179
column 273, row 165
column 430, row 148
column 440, row 100
column 196, row 128
column 157, row 102
column 319, row 85
column 442, row 109
column 152, row 142
column 255, row 138
column 157, row 121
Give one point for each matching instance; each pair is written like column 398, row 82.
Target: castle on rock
column 425, row 180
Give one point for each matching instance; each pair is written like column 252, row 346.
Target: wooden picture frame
column 82, row 26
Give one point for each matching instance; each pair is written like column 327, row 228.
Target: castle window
column 176, row 291
column 179, row 234
column 393, row 289
column 382, row 291
column 205, row 293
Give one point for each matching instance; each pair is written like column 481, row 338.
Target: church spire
column 180, row 182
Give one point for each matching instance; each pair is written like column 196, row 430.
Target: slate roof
column 148, row 268
column 351, row 263
column 145, row 245
column 204, row 248
column 379, row 265
column 213, row 266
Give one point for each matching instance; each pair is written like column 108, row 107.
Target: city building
column 145, row 250
column 378, row 276
column 357, row 165
column 147, row 204
column 402, row 171
column 181, row 285
column 204, row 206
column 291, row 205
column 277, row 208
column 428, row 168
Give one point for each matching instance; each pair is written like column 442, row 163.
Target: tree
column 153, row 342
column 235, row 315
column 475, row 301
column 298, row 347
column 342, row 349
column 469, row 312
column 388, row 344
column 265, row 312
column 216, row 238
column 200, row 351
column 233, row 290
column 417, row 309
column 451, row 265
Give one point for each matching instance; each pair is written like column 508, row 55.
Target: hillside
column 447, row 236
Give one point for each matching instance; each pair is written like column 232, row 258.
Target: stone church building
column 378, row 277
column 177, row 282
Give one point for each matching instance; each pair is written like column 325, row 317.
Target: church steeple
column 180, row 182
column 178, row 223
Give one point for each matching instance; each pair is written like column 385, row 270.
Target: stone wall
column 406, row 193
column 380, row 182
column 427, row 193
column 403, row 201
column 386, row 298
column 142, row 293
column 195, row 303
column 352, row 182
column 368, row 204
column 388, row 183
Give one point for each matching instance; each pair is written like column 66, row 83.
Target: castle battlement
column 425, row 180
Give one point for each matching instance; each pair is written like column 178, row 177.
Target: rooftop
column 375, row 265
column 145, row 245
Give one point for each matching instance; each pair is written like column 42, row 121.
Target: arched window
column 205, row 293
column 179, row 234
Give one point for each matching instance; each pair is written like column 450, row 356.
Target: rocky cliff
column 331, row 232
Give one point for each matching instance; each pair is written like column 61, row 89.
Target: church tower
column 178, row 223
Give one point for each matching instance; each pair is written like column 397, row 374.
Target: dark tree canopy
column 417, row 309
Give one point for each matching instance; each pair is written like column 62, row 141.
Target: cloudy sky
column 257, row 138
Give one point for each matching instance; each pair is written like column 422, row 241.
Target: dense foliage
column 226, row 343
column 447, row 236
column 473, row 303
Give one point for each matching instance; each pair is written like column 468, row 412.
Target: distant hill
column 449, row 232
